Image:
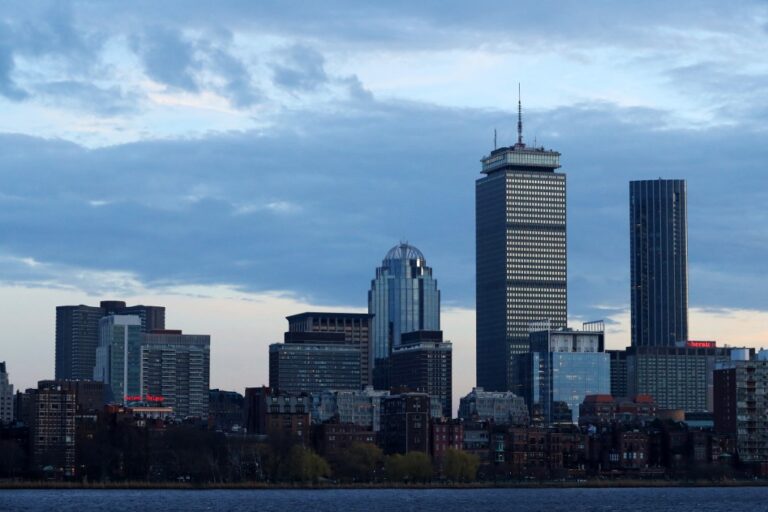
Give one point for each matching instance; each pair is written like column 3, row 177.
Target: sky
column 239, row 162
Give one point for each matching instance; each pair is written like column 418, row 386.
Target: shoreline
column 588, row 484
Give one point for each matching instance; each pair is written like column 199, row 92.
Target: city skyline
column 100, row 208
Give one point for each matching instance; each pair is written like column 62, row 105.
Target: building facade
column 521, row 270
column 356, row 407
column 619, row 386
column 658, row 224
column 312, row 362
column 565, row 366
column 118, row 358
column 175, row 370
column 405, row 423
column 277, row 414
column 403, row 298
column 356, row 328
column 50, row 415
column 77, row 334
column 423, row 363
column 226, row 410
column 499, row 407
column 6, row 396
column 741, row 407
column 676, row 377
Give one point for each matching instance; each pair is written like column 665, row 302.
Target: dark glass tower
column 521, row 256
column 658, row 221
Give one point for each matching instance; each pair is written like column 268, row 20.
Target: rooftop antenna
column 519, row 117
column 494, row 139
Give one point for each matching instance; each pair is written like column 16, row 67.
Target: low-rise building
column 499, row 407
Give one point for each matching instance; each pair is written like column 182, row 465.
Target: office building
column 312, row 362
column 403, row 298
column 356, row 328
column 118, row 358
column 677, row 377
column 658, row 223
column 357, row 407
column 6, row 396
column 50, row 415
column 619, row 386
column 498, row 407
column 563, row 367
column 405, row 423
column 741, row 407
column 423, row 363
column 521, row 270
column 175, row 370
column 77, row 334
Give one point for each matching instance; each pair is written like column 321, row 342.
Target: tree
column 411, row 467
column 460, row 466
column 359, row 462
column 304, row 465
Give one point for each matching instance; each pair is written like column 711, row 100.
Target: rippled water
column 395, row 500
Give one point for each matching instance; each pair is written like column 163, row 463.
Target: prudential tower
column 521, row 269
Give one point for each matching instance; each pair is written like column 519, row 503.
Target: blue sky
column 161, row 149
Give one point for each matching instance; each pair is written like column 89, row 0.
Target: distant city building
column 741, row 407
column 565, row 366
column 403, row 298
column 357, row 407
column 226, row 409
column 50, row 415
column 445, row 434
column 118, row 358
column 405, row 423
column 356, row 328
column 77, row 334
column 605, row 410
column 6, row 396
column 521, row 266
column 658, row 223
column 277, row 414
column 423, row 363
column 676, row 377
column 90, row 396
column 175, row 371
column 499, row 407
column 312, row 362
column 619, row 386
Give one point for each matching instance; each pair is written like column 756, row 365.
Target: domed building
column 403, row 298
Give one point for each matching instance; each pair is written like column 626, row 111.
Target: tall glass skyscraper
column 403, row 298
column 658, row 227
column 521, row 256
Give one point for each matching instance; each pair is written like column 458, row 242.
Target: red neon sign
column 700, row 344
column 147, row 398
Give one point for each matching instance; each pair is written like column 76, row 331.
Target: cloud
column 167, row 57
column 87, row 97
column 300, row 68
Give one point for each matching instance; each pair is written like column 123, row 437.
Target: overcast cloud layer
column 286, row 147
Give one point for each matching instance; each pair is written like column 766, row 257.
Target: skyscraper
column 118, row 357
column 6, row 396
column 658, row 224
column 77, row 334
column 520, row 254
column 403, row 298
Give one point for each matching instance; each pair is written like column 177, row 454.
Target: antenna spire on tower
column 519, row 117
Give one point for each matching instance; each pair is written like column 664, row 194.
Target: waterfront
column 684, row 499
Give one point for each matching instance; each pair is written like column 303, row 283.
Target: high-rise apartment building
column 118, row 358
column 658, row 225
column 403, row 298
column 77, row 334
column 6, row 396
column 520, row 256
column 175, row 370
column 50, row 415
column 356, row 328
